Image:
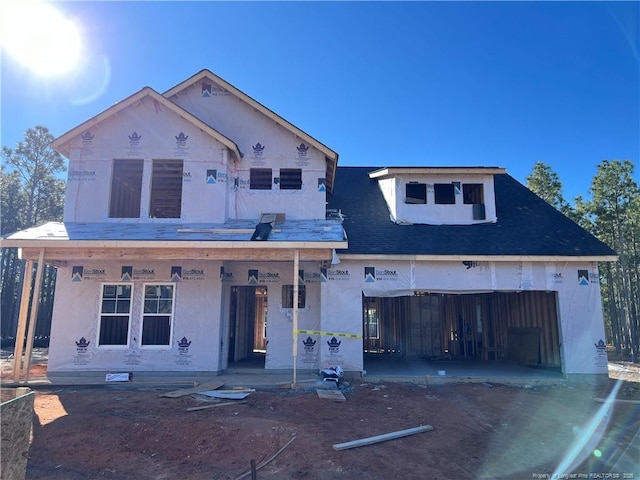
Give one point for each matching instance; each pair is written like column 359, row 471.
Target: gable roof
column 330, row 156
column 527, row 226
column 60, row 143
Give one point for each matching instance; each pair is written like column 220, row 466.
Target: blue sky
column 382, row 83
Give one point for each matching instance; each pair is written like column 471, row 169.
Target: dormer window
column 439, row 195
column 473, row 193
column 444, row 193
column 415, row 193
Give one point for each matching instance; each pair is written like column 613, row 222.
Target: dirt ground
column 479, row 431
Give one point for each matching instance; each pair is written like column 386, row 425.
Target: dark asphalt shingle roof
column 526, row 224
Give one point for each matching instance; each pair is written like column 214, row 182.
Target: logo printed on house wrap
column 333, row 274
column 334, row 345
column 373, row 274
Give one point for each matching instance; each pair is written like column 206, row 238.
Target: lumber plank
column 618, row 400
column 188, row 391
column 335, row 395
column 382, row 438
column 203, row 407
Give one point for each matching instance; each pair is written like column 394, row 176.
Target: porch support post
column 35, row 302
column 22, row 320
column 296, row 292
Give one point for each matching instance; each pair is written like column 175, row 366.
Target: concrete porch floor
column 454, row 370
column 377, row 368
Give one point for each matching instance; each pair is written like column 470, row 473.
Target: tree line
column 613, row 215
column 32, row 192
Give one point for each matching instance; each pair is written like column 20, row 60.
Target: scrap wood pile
column 211, row 393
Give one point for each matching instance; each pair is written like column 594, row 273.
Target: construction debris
column 228, row 394
column 119, row 377
column 382, row 438
column 188, row 391
column 617, row 400
column 335, row 395
column 260, row 465
column 193, row 409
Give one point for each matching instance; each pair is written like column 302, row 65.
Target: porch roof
column 165, row 240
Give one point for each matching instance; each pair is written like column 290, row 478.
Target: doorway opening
column 248, row 325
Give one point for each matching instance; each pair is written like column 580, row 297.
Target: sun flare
column 39, row 37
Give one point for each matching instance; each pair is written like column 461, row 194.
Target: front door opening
column 248, row 324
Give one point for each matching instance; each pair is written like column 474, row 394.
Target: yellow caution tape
column 329, row 334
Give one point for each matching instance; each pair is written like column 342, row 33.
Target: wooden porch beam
column 33, row 320
column 57, row 256
column 22, row 320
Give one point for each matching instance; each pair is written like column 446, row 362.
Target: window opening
column 473, row 193
column 415, row 193
column 126, row 188
column 158, row 315
column 287, row 296
column 444, row 193
column 371, row 322
column 260, row 179
column 290, row 179
column 115, row 313
column 166, row 189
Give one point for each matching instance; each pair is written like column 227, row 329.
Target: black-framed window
column 287, row 296
column 473, row 193
column 260, row 178
column 290, row 179
column 126, row 188
column 415, row 193
column 115, row 314
column 157, row 318
column 444, row 193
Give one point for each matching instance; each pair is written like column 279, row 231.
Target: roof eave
column 481, row 258
column 182, row 244
column 395, row 171
column 59, row 144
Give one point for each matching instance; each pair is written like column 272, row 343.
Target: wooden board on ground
column 617, row 400
column 193, row 409
column 382, row 438
column 228, row 394
column 188, row 391
column 335, row 395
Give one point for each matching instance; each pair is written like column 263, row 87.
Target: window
column 115, row 313
column 158, row 315
column 290, row 179
column 415, row 193
column 126, row 188
column 260, row 179
column 287, row 296
column 166, row 189
column 371, row 322
column 444, row 193
column 473, row 193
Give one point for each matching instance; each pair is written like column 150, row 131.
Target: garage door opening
column 519, row 326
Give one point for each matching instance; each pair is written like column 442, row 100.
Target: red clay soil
column 480, row 431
